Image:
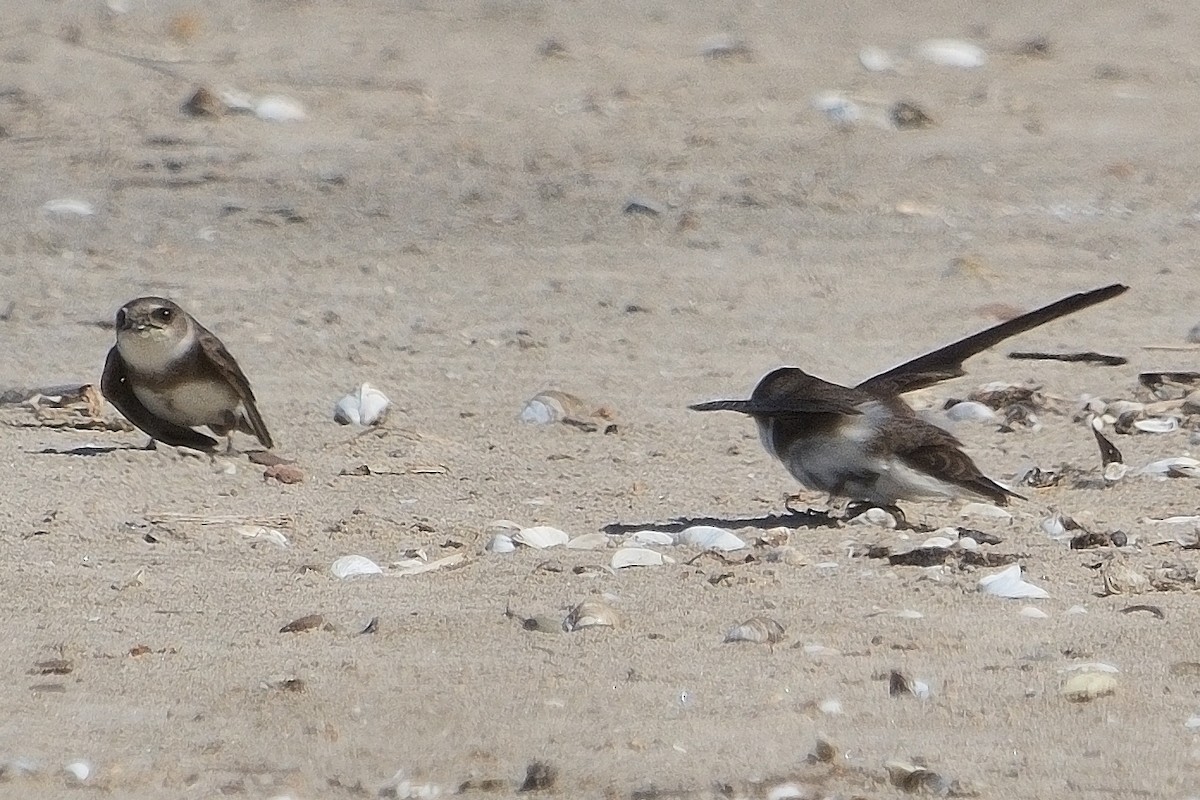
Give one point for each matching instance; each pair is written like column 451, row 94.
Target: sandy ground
column 447, row 224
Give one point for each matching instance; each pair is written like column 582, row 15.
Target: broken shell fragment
column 540, row 537
column 1178, row 467
column 364, row 406
column 78, row 771
column 876, row 59
column 952, row 53
column 1157, row 425
column 899, row 684
column 500, row 543
column 841, row 110
column 553, row 406
column 279, row 109
column 652, row 538
column 1086, row 686
column 590, row 541
column 708, row 537
column 638, row 557
column 591, row 614
column 351, row 566
column 1009, row 583
column 758, row 630
column 916, row 780
column 1121, row 578
column 204, row 103
column 69, row 206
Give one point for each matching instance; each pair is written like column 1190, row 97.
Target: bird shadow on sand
column 797, row 519
column 89, row 450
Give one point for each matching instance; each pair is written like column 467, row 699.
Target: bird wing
column 947, row 362
column 937, row 452
column 114, row 385
column 784, row 407
column 227, row 365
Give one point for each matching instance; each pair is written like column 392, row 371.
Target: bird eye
column 162, row 314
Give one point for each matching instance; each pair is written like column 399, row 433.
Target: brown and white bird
column 168, row 375
column 865, row 443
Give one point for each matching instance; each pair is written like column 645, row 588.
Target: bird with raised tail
column 865, row 443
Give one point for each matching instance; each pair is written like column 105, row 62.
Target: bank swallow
column 865, row 443
column 168, row 374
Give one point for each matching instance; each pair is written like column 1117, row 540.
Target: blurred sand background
column 447, row 223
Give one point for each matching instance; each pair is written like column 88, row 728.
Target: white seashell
column 818, row 650
column 279, row 109
column 364, row 406
column 842, row 111
column 914, row 779
column 1077, row 610
column 876, row 59
column 986, row 510
column 877, row 517
column 1177, row 466
column 1157, row 425
column 788, row 791
column 707, row 537
column 939, row 541
column 69, row 206
column 831, row 706
column 551, row 406
column 652, row 538
column 500, row 543
column 590, row 541
column 1088, row 686
column 1115, row 471
column 259, row 533
column 1192, row 724
column 591, row 614
column 78, row 771
column 952, row 53
column 920, row 690
column 970, row 411
column 1009, row 583
column 967, row 543
column 758, row 630
column 1054, row 526
column 540, row 537
column 1033, row 613
column 638, row 557
column 350, row 566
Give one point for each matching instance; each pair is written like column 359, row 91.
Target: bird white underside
column 193, row 403
column 839, row 463
column 153, row 352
